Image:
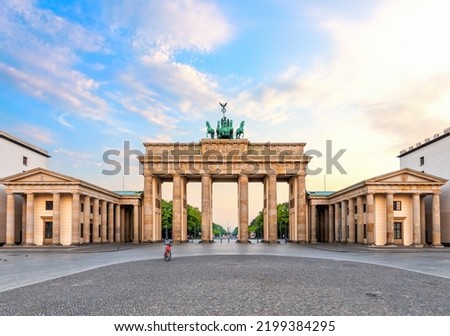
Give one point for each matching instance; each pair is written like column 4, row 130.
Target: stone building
column 61, row 210
column 432, row 155
column 44, row 207
column 383, row 210
column 16, row 155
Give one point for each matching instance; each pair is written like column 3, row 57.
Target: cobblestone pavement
column 225, row 279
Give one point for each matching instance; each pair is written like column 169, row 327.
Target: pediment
column 40, row 175
column 406, row 176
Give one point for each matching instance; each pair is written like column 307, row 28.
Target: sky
column 362, row 78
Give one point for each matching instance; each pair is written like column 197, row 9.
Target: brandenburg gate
column 230, row 158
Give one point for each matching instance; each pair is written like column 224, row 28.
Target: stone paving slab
column 234, row 285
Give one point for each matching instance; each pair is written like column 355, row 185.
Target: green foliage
column 166, row 214
column 256, row 225
column 218, row 230
column 194, row 220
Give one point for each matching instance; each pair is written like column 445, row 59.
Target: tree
column 257, row 224
column 218, row 230
column 194, row 220
column 283, row 219
column 166, row 217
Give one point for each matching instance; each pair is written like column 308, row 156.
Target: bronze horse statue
column 209, row 130
column 240, row 131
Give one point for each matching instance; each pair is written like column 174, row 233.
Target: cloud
column 39, row 54
column 159, row 31
column 36, row 134
column 389, row 71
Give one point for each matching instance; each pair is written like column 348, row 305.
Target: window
column 397, row 230
column 48, row 205
column 422, row 160
column 397, row 205
column 25, row 161
column 82, row 207
column 48, row 230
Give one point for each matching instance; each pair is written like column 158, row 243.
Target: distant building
column 432, row 156
column 16, row 156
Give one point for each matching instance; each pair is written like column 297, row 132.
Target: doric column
column 177, row 210
column 86, row 220
column 337, row 223
column 117, row 224
column 331, row 223
column 29, row 238
column 313, row 223
column 56, row 240
column 10, row 219
column 206, row 208
column 359, row 220
column 351, row 221
column 416, row 220
column 243, row 208
column 75, row 219
column 389, row 219
column 149, row 204
column 95, row 220
column 123, row 224
column 344, row 221
column 103, row 223
column 110, row 222
column 326, row 225
column 436, row 221
column 301, row 208
column 270, row 187
column 422, row 221
column 135, row 224
column 370, row 219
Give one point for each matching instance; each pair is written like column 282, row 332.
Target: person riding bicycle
column 168, row 248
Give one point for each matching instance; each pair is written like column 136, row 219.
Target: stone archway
column 232, row 160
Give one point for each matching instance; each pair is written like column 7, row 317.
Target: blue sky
column 81, row 77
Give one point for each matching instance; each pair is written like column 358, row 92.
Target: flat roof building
column 432, row 156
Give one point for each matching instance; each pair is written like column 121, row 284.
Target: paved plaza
column 224, row 279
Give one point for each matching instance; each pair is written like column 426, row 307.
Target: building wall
column 436, row 156
column 405, row 215
column 12, row 154
column 39, row 214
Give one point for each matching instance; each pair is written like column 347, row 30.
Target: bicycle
column 168, row 252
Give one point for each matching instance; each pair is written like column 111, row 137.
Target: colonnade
column 152, row 211
column 91, row 219
column 370, row 219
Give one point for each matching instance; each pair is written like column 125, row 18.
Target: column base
column 9, row 245
column 418, row 245
column 437, row 245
